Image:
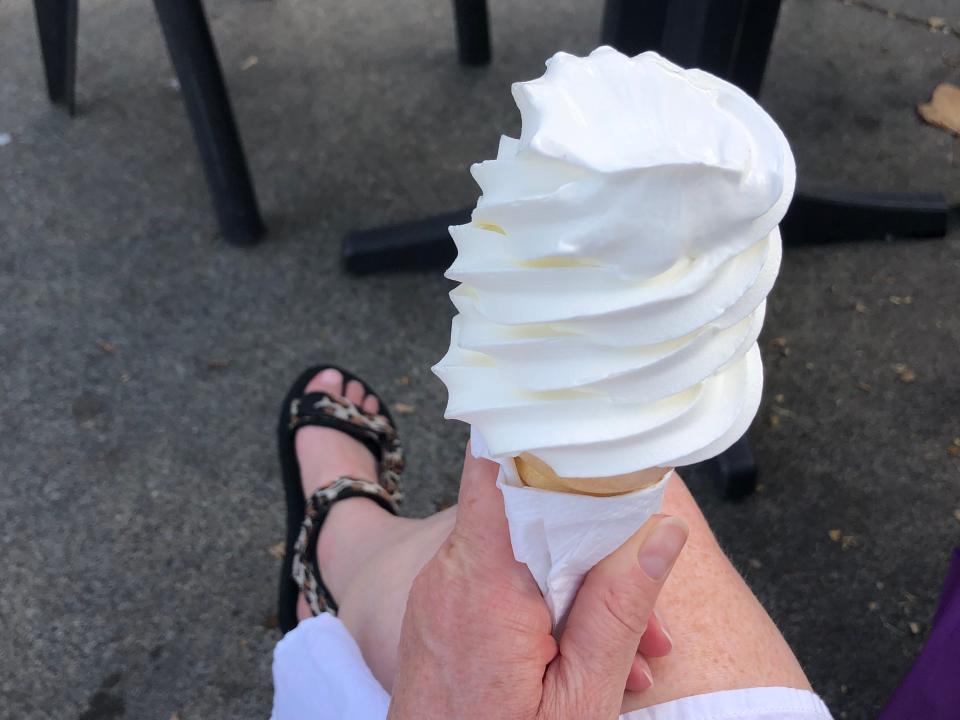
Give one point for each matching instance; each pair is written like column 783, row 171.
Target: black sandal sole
column 289, row 591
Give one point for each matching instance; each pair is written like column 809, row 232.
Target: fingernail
column 662, row 546
column 663, row 627
column 649, row 677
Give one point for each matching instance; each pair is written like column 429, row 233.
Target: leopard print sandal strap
column 306, row 572
column 376, row 432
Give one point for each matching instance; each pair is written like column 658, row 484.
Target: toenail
column 330, row 376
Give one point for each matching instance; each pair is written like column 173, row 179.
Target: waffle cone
column 535, row 473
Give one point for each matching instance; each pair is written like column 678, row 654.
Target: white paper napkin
column 561, row 536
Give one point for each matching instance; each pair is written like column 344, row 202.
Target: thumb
column 480, row 513
column 609, row 616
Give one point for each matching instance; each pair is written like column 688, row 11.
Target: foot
column 325, row 454
column 368, row 558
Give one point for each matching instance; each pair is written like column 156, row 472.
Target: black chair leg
column 57, row 28
column 473, row 31
column 208, row 105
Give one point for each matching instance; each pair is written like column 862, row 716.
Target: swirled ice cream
column 614, row 275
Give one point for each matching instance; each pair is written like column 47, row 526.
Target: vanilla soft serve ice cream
column 614, row 275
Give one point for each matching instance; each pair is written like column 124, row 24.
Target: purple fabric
column 931, row 690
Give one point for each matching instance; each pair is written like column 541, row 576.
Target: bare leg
column 723, row 639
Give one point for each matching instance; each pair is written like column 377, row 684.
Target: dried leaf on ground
column 277, row 550
column 778, row 398
column 108, row 347
column 901, row 299
column 936, row 23
column 270, row 622
column 403, row 408
column 943, row 110
column 904, row 373
column 249, row 62
column 865, row 387
column 860, row 308
column 954, row 449
column 873, row 605
column 956, row 515
column 175, row 716
column 914, row 628
column 849, row 541
column 774, row 421
column 835, row 535
column 403, row 380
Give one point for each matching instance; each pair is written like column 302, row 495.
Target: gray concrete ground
column 140, row 494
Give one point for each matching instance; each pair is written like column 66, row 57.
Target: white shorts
column 319, row 674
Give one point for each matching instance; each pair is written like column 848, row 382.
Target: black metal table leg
column 208, row 105
column 632, row 26
column 473, row 31
column 57, row 28
column 735, row 471
column 418, row 245
column 702, row 33
column 821, row 214
column 732, row 38
column 817, row 215
column 732, row 474
column 757, row 27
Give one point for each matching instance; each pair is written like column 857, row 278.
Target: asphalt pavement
column 142, row 360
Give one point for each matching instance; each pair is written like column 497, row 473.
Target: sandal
column 305, row 516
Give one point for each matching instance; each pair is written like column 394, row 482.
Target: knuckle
column 451, row 560
column 517, row 613
column 626, row 600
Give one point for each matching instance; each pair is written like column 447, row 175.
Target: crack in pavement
column 933, row 24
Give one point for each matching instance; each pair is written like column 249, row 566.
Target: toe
column 303, row 609
column 330, row 381
column 371, row 404
column 355, row 392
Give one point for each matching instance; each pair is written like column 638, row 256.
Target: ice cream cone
column 535, row 473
